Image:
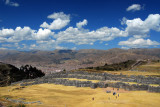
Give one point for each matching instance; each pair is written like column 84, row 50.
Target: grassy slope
column 152, row 69
column 68, row 96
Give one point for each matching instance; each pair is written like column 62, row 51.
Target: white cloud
column 124, row 47
column 60, row 20
column 1, row 48
column 20, row 34
column 60, row 15
column 8, row 2
column 44, row 39
column 153, row 22
column 134, row 7
column 7, row 45
column 74, row 48
column 6, row 32
column 84, row 36
column 136, row 27
column 140, row 27
column 33, row 46
column 43, row 34
column 83, row 23
column 123, row 21
column 60, row 47
column 138, row 43
column 26, row 33
column 46, row 45
column 17, row 35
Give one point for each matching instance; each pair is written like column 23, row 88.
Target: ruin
column 143, row 83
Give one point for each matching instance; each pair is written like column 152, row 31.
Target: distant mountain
column 73, row 59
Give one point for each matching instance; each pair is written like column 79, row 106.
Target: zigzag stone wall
column 57, row 78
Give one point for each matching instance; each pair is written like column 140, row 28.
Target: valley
column 82, row 87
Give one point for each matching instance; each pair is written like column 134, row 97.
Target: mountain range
column 49, row 61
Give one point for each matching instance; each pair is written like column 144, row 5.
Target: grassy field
column 51, row 95
column 93, row 81
column 134, row 73
column 69, row 96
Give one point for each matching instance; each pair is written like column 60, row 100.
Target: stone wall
column 58, row 78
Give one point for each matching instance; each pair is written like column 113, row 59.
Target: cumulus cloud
column 84, row 36
column 153, row 22
column 134, row 7
column 138, row 43
column 83, row 23
column 20, row 34
column 60, row 20
column 6, row 32
column 11, row 35
column 14, row 4
column 137, row 30
column 140, row 27
column 43, row 34
column 25, row 33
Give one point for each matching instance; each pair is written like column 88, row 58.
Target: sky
column 79, row 24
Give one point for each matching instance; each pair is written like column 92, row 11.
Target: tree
column 31, row 72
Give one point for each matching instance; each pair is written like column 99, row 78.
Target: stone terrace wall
column 58, row 78
column 106, row 76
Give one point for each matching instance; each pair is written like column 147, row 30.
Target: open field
column 51, row 95
column 93, row 81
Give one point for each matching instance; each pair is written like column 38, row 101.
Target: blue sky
column 79, row 24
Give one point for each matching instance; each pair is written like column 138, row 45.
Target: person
column 114, row 93
column 93, row 98
column 118, row 95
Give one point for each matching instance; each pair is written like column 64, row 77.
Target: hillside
column 10, row 74
column 93, row 87
column 132, row 88
column 73, row 59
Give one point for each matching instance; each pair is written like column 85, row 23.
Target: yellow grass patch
column 133, row 73
column 94, row 81
column 69, row 96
